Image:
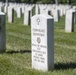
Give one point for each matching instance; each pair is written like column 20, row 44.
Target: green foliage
column 48, row 1
column 34, row 1
column 42, row 1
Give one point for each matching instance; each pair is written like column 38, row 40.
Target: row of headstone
column 44, row 9
column 27, row 10
column 28, row 13
column 55, row 10
column 56, row 14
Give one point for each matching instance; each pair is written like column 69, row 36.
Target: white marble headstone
column 69, row 21
column 10, row 14
column 42, row 42
column 26, row 17
column 19, row 12
column 56, row 15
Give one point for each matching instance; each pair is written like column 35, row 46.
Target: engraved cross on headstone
column 38, row 21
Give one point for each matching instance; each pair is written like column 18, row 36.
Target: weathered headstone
column 69, row 21
column 2, row 32
column 42, row 42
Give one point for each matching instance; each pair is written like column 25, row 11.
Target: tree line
column 49, row 1
column 43, row 1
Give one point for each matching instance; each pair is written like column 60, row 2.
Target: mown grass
column 17, row 58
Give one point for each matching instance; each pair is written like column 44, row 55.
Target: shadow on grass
column 20, row 51
column 65, row 66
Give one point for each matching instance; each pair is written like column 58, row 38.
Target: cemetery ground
column 17, row 58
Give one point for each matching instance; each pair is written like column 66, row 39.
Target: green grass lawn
column 17, row 58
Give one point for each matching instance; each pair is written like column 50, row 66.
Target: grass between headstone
column 17, row 59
